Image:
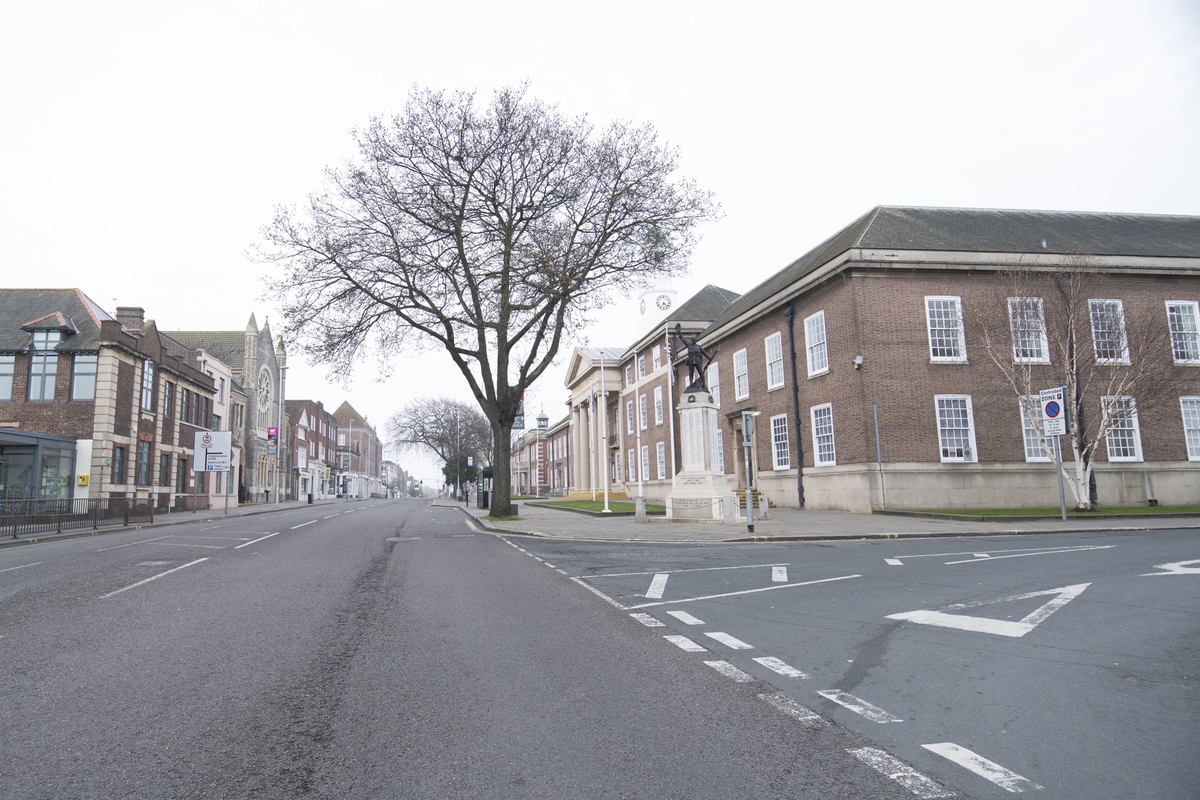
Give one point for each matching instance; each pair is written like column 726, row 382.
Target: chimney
column 131, row 318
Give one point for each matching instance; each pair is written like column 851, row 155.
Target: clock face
column 663, row 302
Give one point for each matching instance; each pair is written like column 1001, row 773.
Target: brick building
column 360, row 455
column 314, row 449
column 879, row 365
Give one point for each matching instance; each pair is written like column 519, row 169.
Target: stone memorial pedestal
column 700, row 492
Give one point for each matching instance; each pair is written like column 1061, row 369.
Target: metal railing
column 23, row 517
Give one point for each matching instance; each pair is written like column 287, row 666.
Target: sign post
column 1054, row 423
column 213, row 453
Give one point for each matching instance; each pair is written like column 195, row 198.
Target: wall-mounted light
column 858, row 362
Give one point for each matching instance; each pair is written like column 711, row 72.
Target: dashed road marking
column 887, row 764
column 648, row 621
column 1004, row 778
column 747, row 591
column 775, row 665
column 684, row 643
column 729, row 641
column 23, row 566
column 152, row 578
column 779, row 574
column 256, row 541
column 795, row 710
column 657, row 586
column 302, row 524
column 730, row 671
column 686, row 618
column 858, row 706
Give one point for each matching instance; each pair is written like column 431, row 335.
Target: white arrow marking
column 999, row 627
column 657, row 586
column 1177, row 568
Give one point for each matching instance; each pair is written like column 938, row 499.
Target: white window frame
column 641, row 367
column 629, row 374
column 1189, row 408
column 719, row 455
column 661, row 454
column 1183, row 321
column 147, row 402
column 957, row 337
column 1035, row 452
column 1027, row 325
column 816, row 347
column 1129, row 425
column 824, row 446
column 781, row 445
column 773, row 345
column 714, row 382
column 658, row 405
column 643, row 414
column 1097, row 319
column 969, row 454
column 657, row 355
column 629, row 416
column 645, row 462
column 632, row 465
column 741, row 376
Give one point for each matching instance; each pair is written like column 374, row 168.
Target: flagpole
column 604, row 428
column 671, row 400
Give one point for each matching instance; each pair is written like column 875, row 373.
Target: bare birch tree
column 1063, row 326
column 452, row 430
column 487, row 233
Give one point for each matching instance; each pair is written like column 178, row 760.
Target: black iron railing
column 23, row 517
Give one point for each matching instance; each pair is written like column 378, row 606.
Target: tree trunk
column 501, row 497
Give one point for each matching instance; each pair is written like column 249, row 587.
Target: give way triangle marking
column 999, row 627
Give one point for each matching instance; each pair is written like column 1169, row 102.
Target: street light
column 747, row 432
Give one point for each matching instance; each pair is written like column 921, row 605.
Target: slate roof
column 981, row 230
column 228, row 346
column 38, row 308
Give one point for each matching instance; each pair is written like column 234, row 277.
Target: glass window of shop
column 58, row 473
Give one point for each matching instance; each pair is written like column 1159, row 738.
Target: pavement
column 782, row 524
column 786, row 524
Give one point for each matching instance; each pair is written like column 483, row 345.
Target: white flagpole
column 604, row 429
column 671, row 399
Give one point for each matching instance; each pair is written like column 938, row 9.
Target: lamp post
column 747, row 432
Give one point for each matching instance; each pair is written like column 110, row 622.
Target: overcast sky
column 145, row 144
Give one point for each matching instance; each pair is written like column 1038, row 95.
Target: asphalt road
column 1060, row 665
column 377, row 650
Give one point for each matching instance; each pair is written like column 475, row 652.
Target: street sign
column 272, row 432
column 214, row 451
column 1054, row 411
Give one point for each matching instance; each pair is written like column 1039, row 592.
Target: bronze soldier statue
column 698, row 360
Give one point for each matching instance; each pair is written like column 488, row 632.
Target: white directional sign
column 999, row 627
column 1054, row 411
column 214, row 451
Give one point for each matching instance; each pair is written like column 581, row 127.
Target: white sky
column 144, row 144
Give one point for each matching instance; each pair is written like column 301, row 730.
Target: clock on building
column 663, row 302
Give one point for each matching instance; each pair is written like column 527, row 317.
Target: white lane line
column 153, row 578
column 730, row 671
column 302, row 524
column 775, row 665
column 887, row 764
column 185, row 544
column 1004, row 778
column 747, row 591
column 981, row 558
column 657, row 586
column 895, row 562
column 680, row 571
column 351, row 511
column 331, row 516
column 779, row 574
column 686, row 618
column 998, row 627
column 729, row 641
column 131, row 544
column 858, row 706
column 256, row 541
column 23, row 566
column 899, row 560
column 648, row 621
column 684, row 643
column 787, row 705
column 595, row 591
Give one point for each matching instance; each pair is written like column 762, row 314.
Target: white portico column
column 578, row 449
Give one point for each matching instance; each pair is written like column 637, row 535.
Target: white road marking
column 648, row 621
column 775, row 665
column 302, row 524
column 680, row 571
column 747, row 591
column 887, row 764
column 779, row 574
column 351, row 511
column 1005, row 779
column 185, row 544
column 331, row 516
column 859, row 706
column 23, row 566
column 1177, row 568
column 684, row 643
column 686, row 618
column 895, row 562
column 595, row 591
column 999, row 627
column 984, row 557
column 729, row 641
column 657, row 586
column 153, row 578
column 131, row 544
column 790, row 707
column 730, row 671
column 256, row 541
column 899, row 560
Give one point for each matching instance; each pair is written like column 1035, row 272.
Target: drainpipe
column 789, row 315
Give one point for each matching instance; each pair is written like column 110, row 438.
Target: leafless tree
column 452, row 430
column 488, row 232
column 1046, row 327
